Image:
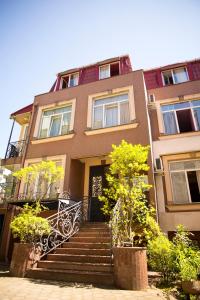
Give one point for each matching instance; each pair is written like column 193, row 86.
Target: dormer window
column 175, row 76
column 69, row 80
column 110, row 70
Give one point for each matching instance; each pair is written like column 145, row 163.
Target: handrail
column 15, row 149
column 64, row 224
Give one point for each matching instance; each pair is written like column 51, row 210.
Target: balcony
column 14, row 153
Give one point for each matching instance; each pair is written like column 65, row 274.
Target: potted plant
column 132, row 218
column 28, row 225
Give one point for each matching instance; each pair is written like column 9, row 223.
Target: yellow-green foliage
column 27, row 226
column 133, row 221
column 47, row 172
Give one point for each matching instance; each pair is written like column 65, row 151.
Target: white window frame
column 103, row 66
column 172, row 73
column 112, row 104
column 186, row 178
column 54, row 115
column 76, row 74
column 190, row 107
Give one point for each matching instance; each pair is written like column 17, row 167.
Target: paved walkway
column 12, row 288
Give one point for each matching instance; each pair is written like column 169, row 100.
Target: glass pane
column 57, row 111
column 197, row 117
column 179, row 186
column 124, row 113
column 185, row 165
column 73, row 80
column 98, row 117
column 167, row 76
column 66, row 123
column 104, row 72
column 55, row 126
column 112, row 99
column 195, row 103
column 180, row 75
column 111, row 116
column 176, row 166
column 175, row 106
column 170, row 123
column 44, row 127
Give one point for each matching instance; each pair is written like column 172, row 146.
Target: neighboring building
column 174, row 110
column 75, row 124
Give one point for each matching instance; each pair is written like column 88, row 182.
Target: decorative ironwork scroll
column 64, row 224
column 96, row 186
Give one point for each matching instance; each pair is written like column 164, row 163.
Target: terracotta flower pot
column 23, row 258
column 191, row 287
column 130, row 268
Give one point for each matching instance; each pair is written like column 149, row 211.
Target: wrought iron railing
column 64, row 224
column 15, row 149
column 114, row 223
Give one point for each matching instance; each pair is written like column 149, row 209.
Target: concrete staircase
column 86, row 257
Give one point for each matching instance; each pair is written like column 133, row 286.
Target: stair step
column 80, row 258
column 71, row 276
column 93, row 229
column 87, row 245
column 83, row 251
column 90, row 239
column 92, row 234
column 64, row 265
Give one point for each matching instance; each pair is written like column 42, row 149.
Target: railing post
column 10, row 138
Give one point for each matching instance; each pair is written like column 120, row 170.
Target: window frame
column 50, row 124
column 112, row 104
column 190, row 107
column 186, row 178
column 70, row 75
column 113, row 63
column 173, row 76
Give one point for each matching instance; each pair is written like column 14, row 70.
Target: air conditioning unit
column 158, row 165
column 151, row 98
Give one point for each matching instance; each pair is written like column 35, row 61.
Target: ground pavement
column 12, row 288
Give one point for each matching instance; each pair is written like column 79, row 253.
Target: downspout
column 151, row 147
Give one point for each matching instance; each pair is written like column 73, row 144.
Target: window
column 55, row 122
column 111, row 111
column 185, row 180
column 175, row 76
column 69, row 81
column 181, row 117
column 109, row 70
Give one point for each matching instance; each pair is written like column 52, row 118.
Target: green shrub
column 161, row 257
column 27, row 226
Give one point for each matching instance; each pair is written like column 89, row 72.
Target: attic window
column 69, row 81
column 175, row 76
column 110, row 70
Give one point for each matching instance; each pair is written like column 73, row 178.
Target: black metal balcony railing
column 15, row 149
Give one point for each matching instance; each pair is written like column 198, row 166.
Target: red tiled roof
column 23, row 110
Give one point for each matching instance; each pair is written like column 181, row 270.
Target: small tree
column 39, row 178
column 125, row 198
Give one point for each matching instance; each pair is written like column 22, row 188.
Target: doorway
column 97, row 182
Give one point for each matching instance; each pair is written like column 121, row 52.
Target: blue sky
column 39, row 38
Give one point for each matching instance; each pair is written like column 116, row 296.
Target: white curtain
column 111, row 116
column 124, row 113
column 170, row 123
column 180, row 75
column 197, row 117
column 45, row 127
column 98, row 117
column 55, row 126
column 179, row 186
column 66, row 123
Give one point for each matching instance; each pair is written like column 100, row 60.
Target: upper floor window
column 175, row 76
column 55, row 122
column 181, row 117
column 69, row 80
column 185, row 180
column 109, row 70
column 111, row 111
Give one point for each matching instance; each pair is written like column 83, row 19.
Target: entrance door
column 97, row 183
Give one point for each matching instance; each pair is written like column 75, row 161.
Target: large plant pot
column 24, row 257
column 191, row 287
column 130, row 268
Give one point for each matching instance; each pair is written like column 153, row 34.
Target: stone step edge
column 78, row 263
column 80, row 255
column 78, row 272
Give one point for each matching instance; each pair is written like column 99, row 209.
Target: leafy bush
column 179, row 259
column 132, row 219
column 161, row 257
column 27, row 226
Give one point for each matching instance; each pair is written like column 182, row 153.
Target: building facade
column 174, row 110
column 75, row 124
